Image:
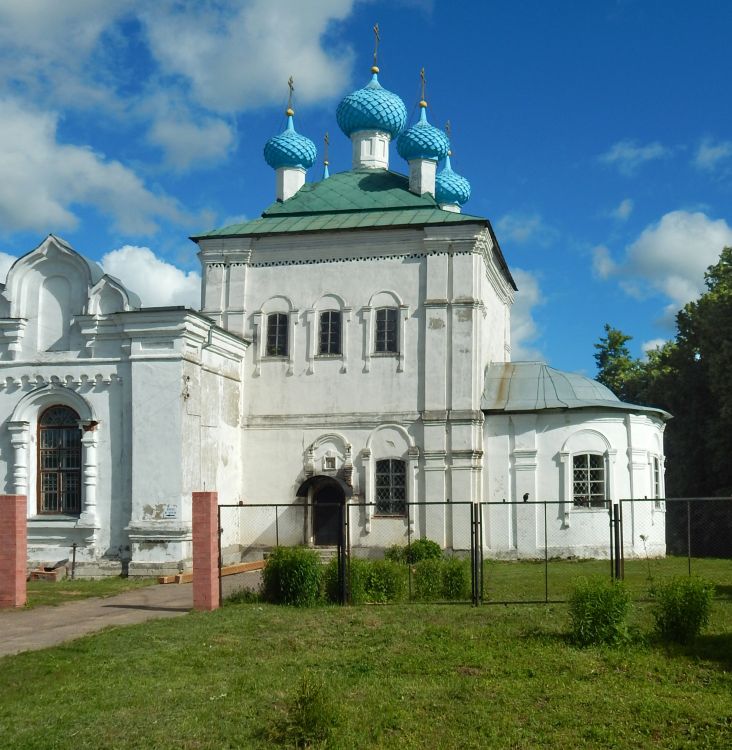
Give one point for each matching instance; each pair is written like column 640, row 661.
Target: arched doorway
column 328, row 500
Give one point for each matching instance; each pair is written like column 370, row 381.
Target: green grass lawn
column 525, row 580
column 45, row 593
column 402, row 676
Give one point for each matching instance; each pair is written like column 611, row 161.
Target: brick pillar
column 13, row 550
column 205, row 551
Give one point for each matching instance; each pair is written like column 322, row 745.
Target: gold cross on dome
column 448, row 128
column 424, row 81
column 326, row 141
column 291, row 86
column 377, row 39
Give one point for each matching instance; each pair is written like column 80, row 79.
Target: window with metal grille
column 387, row 339
column 330, row 332
column 59, row 461
column 588, row 487
column 277, row 335
column 391, row 487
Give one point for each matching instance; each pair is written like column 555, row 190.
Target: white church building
column 353, row 344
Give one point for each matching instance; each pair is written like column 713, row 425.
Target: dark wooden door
column 327, row 504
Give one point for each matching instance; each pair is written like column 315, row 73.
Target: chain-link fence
column 496, row 552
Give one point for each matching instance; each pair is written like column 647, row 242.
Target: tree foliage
column 690, row 377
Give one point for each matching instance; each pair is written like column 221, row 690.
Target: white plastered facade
column 158, row 396
column 170, row 401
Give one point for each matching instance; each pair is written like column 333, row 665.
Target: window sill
column 275, row 358
column 385, row 354
column 590, row 509
column 328, row 356
column 392, row 516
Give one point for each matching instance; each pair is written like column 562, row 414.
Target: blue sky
column 596, row 136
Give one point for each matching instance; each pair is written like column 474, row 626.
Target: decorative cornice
column 32, row 382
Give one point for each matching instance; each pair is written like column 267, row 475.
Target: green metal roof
column 349, row 200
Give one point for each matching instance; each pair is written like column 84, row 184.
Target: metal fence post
column 409, row 544
column 616, row 541
column 612, row 560
column 342, row 554
column 688, row 534
column 546, row 559
column 479, row 511
column 221, row 554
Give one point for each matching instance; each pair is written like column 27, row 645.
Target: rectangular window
column 588, row 485
column 391, row 487
column 330, row 332
column 387, row 339
column 277, row 335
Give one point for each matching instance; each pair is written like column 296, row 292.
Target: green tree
column 615, row 367
column 690, row 377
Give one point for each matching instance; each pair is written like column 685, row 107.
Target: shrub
column 598, row 609
column 456, row 579
column 396, row 553
column 384, row 581
column 419, row 549
column 682, row 608
column 422, row 549
column 309, row 717
column 370, row 582
column 292, row 576
column 442, row 579
column 428, row 580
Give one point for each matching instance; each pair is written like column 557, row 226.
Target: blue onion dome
column 372, row 108
column 450, row 187
column 423, row 141
column 289, row 148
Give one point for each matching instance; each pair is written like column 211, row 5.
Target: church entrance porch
column 327, row 496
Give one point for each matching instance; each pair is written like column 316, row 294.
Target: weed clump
column 682, row 608
column 310, row 715
column 598, row 609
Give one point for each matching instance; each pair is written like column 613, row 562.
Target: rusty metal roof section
column 534, row 386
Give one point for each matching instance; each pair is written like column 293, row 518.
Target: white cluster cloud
column 628, row 155
column 624, row 209
column 524, row 329
column 603, row 264
column 523, row 228
column 652, row 344
column 668, row 257
column 210, row 45
column 203, row 63
column 709, row 154
column 43, row 179
column 157, row 282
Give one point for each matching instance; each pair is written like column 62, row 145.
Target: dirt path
column 32, row 629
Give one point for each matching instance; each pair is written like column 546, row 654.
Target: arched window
column 59, row 461
column 588, row 485
column 391, row 487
